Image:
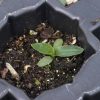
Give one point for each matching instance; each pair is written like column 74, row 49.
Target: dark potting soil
column 21, row 56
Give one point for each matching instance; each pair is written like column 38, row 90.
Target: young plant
column 68, row 2
column 58, row 49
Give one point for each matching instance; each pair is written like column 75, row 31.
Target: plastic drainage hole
column 86, row 97
column 96, row 32
column 8, row 97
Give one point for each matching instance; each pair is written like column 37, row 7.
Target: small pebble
column 22, row 49
column 29, row 85
column 58, row 75
column 48, row 80
column 63, row 73
column 74, row 69
column 39, row 87
column 57, row 71
column 32, row 32
column 32, row 55
column 32, row 92
column 9, row 49
column 51, row 78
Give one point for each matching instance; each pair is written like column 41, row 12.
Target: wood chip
column 12, row 71
column 4, row 73
column 26, row 68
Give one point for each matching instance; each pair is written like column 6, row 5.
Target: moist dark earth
column 33, row 79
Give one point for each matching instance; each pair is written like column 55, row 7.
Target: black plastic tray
column 16, row 16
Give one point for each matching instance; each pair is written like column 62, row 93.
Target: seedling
column 68, row 2
column 58, row 49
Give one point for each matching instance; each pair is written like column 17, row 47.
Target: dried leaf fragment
column 37, row 82
column 12, row 71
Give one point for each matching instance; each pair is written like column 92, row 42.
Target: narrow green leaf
column 67, row 51
column 45, row 61
column 58, row 43
column 63, row 2
column 44, row 48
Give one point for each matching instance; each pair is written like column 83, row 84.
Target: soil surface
column 21, row 56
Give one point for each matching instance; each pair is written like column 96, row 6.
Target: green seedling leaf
column 68, row 2
column 45, row 61
column 44, row 48
column 58, row 43
column 63, row 2
column 37, row 82
column 67, row 51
